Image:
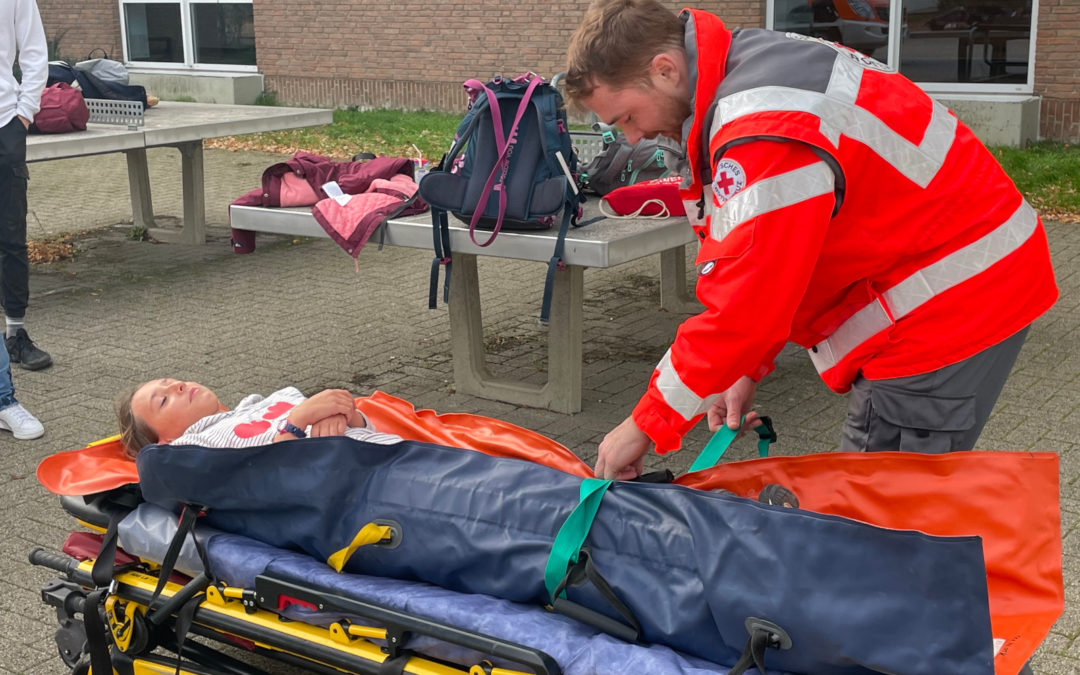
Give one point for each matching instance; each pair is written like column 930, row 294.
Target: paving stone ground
column 295, row 312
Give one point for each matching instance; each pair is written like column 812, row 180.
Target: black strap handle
column 440, row 233
column 97, row 635
column 580, row 572
column 556, row 262
column 763, row 635
column 187, row 524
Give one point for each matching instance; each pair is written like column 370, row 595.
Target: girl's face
column 170, row 406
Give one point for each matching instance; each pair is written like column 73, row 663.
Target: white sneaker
column 20, row 422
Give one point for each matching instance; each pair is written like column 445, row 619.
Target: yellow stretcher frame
column 228, row 615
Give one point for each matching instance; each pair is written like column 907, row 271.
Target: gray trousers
column 941, row 411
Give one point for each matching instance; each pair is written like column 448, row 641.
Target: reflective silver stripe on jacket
column 938, row 277
column 676, row 394
column 840, row 116
column 844, row 83
column 770, row 194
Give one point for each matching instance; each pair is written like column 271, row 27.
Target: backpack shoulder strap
column 551, row 135
column 498, row 170
column 462, row 135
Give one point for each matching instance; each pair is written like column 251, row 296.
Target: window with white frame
column 196, row 34
column 976, row 46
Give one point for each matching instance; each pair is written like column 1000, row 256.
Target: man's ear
column 666, row 67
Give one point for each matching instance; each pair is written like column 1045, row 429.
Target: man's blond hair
column 616, row 42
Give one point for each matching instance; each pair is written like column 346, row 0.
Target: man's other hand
column 620, row 455
column 733, row 404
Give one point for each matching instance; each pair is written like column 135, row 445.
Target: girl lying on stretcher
column 186, row 413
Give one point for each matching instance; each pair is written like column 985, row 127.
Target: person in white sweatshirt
column 22, row 39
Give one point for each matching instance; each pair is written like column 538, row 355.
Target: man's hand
column 621, row 453
column 25, row 122
column 733, row 404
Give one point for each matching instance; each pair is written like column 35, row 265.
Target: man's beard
column 678, row 110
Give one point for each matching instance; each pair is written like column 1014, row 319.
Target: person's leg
column 941, row 411
column 14, row 417
column 14, row 265
column 14, row 262
column 7, row 388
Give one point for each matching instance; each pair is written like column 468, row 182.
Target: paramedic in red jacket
column 837, row 206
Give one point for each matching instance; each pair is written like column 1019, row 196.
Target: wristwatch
column 286, row 427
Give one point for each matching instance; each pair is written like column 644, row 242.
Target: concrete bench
column 604, row 243
column 183, row 126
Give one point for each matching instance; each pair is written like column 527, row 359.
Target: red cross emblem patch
column 730, row 178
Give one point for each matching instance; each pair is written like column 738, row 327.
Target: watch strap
column 287, row 427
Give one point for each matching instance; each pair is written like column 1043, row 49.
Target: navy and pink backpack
column 511, row 166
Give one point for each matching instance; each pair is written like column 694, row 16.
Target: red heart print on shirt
column 251, row 429
column 276, row 410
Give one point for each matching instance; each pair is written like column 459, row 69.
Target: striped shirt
column 254, row 422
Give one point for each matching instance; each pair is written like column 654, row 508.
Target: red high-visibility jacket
column 841, row 208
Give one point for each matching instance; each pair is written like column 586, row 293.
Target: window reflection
column 859, row 24
column 153, row 32
column 978, row 41
column 224, row 33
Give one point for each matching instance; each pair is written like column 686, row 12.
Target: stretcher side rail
column 600, row 244
column 269, row 589
column 271, row 592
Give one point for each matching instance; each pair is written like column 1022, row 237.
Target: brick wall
column 81, row 26
column 379, row 54
column 1059, row 120
column 1057, row 70
column 387, row 59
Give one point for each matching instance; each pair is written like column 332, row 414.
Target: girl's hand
column 358, row 421
column 329, row 426
column 327, row 403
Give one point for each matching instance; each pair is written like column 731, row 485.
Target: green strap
column 718, row 444
column 568, row 541
column 657, row 157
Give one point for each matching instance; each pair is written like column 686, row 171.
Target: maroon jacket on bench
column 299, row 181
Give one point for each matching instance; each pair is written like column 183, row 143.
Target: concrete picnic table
column 183, row 126
column 604, row 242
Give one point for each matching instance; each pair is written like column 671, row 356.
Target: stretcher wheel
column 81, row 667
column 140, row 635
column 71, row 644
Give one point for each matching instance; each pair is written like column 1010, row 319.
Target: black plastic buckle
column 777, row 637
column 770, row 431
